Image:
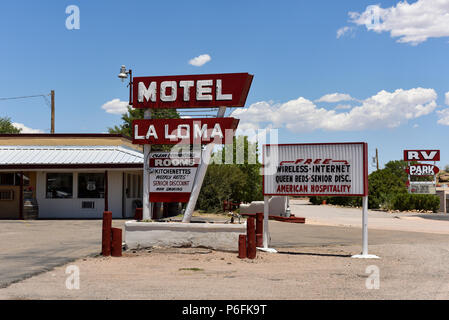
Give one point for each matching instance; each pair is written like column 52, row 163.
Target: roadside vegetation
column 6, row 126
column 388, row 191
column 231, row 182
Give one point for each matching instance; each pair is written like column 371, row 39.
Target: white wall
column 71, row 208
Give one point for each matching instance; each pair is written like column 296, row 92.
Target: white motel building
column 69, row 176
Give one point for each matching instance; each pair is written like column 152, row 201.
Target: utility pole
column 52, row 111
column 377, row 159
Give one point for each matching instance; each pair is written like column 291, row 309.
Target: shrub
column 427, row 202
column 383, row 186
column 340, row 201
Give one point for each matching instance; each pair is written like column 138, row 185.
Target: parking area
column 31, row 247
column 314, row 261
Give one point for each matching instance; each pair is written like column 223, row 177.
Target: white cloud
column 447, row 98
column 25, row 129
column 410, row 23
column 335, row 97
column 444, row 117
column 200, row 60
column 343, row 106
column 383, row 110
column 342, row 31
column 115, row 106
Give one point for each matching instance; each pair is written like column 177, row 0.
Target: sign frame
column 365, row 171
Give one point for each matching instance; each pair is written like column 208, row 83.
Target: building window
column 13, row 179
column 7, row 179
column 6, row 195
column 59, row 185
column 133, row 186
column 91, row 185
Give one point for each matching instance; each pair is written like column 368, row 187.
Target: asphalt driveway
column 33, row 246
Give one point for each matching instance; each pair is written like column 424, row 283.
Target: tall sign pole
column 200, row 175
column 146, row 210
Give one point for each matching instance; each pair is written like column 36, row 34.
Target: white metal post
column 200, row 174
column 365, row 226
column 265, row 221
column 146, row 210
column 266, row 232
column 365, row 254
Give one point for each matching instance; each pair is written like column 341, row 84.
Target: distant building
column 69, row 175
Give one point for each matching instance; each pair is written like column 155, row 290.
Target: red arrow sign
column 422, row 169
column 188, row 131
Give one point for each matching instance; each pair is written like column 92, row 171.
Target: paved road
column 34, row 246
column 352, row 217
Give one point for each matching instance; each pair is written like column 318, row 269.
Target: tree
column 236, row 182
column 398, row 167
column 6, row 126
column 384, row 185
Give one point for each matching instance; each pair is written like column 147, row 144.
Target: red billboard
column 421, row 155
column 188, row 131
column 191, row 91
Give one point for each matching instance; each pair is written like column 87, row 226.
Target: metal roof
column 69, row 155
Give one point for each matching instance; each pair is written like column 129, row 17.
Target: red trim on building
column 73, row 166
column 65, row 135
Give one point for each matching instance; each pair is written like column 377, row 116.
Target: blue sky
column 291, row 47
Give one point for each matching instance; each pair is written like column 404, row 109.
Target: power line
column 33, row 96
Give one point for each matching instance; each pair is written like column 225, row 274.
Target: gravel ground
column 313, row 262
column 406, row 271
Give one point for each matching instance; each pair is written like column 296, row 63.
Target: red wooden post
column 138, row 214
column 106, row 234
column 259, row 223
column 116, row 242
column 242, row 246
column 259, row 240
column 251, row 235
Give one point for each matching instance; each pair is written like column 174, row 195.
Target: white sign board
column 329, row 169
column 422, row 188
column 171, row 175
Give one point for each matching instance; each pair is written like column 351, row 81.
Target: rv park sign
column 421, row 169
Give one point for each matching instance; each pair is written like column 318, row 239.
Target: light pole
column 123, row 75
column 146, row 205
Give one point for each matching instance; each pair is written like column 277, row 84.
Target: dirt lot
column 412, row 266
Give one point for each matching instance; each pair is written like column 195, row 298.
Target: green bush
column 384, row 185
column 406, row 201
column 236, row 182
column 340, row 201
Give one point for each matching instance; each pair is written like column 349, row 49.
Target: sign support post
column 201, row 173
column 266, row 233
column 146, row 210
column 365, row 254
